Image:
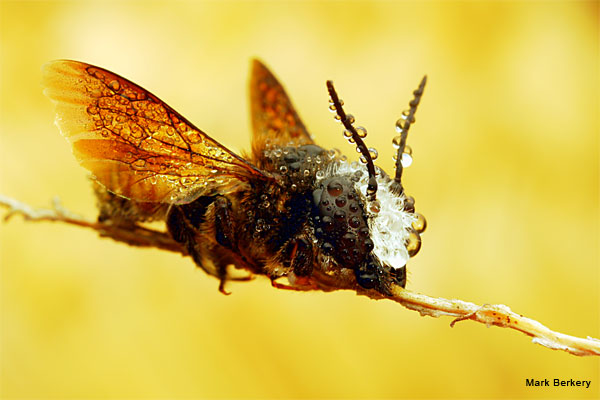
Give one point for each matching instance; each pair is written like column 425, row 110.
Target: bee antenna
column 402, row 126
column 336, row 105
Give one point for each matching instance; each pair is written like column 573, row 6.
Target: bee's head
column 365, row 220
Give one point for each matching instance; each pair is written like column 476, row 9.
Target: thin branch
column 134, row 235
column 496, row 315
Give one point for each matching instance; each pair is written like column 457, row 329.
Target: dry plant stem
column 134, row 235
column 497, row 315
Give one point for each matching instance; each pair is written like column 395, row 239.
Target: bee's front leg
column 224, row 229
column 297, row 256
column 224, row 235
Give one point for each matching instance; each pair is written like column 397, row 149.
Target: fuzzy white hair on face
column 389, row 224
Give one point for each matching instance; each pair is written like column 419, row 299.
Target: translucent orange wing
column 274, row 119
column 132, row 142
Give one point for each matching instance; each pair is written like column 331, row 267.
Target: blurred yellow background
column 505, row 170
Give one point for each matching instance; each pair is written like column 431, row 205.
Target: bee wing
column 133, row 143
column 274, row 119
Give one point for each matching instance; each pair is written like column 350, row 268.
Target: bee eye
column 340, row 224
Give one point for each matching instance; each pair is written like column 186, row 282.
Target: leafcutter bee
column 288, row 209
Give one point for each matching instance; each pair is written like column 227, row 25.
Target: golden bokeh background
column 505, row 170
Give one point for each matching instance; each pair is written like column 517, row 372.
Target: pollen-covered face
column 373, row 237
column 365, row 220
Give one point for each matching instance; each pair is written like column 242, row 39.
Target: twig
column 497, row 315
column 132, row 234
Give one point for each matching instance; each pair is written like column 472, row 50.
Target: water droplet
column 375, row 207
column 363, row 159
column 306, row 172
column 328, row 222
column 260, row 225
column 354, row 165
column 409, row 204
column 320, row 174
column 401, row 125
column 187, row 181
column 340, row 201
column 335, row 188
column 372, row 186
column 373, row 153
column 349, row 239
column 339, row 215
column 283, row 169
column 139, row 163
column 354, row 222
column 362, row 132
column 277, row 153
column 406, row 160
column 337, row 117
column 405, row 115
column 350, row 118
column 332, row 107
column 420, row 224
column 408, row 150
column 92, row 110
column 343, row 159
column 195, row 137
column 347, row 133
column 114, row 85
column 413, row 243
column 396, row 141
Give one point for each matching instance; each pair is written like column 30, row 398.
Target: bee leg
column 224, row 233
column 299, row 288
column 222, row 280
column 299, row 256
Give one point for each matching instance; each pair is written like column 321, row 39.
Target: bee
column 287, row 209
